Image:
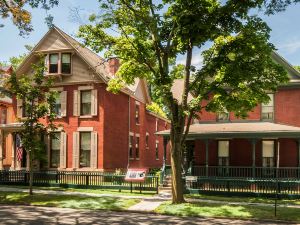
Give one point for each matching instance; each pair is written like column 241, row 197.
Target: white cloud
column 291, row 46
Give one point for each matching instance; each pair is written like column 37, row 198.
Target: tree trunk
column 177, row 182
column 30, row 173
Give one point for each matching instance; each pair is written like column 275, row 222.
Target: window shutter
column 76, row 103
column 94, row 150
column 46, row 71
column 19, row 108
column 94, row 102
column 75, row 149
column 63, row 150
column 63, row 102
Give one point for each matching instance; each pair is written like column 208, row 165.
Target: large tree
column 17, row 11
column 37, row 101
column 149, row 37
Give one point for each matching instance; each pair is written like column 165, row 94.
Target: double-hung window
column 55, row 149
column 53, row 63
column 223, row 153
column 57, row 105
column 85, row 149
column 3, row 115
column 137, row 147
column 147, row 140
column 137, row 114
column 86, row 102
column 66, row 63
column 131, row 146
column 156, row 151
column 268, row 153
column 267, row 109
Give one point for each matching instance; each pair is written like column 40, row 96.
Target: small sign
column 191, row 178
column 137, row 175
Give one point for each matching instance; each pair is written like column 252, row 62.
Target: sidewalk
column 148, row 204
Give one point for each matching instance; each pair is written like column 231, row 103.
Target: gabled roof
column 94, row 61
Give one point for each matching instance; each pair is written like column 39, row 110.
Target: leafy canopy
column 21, row 17
column 148, row 37
column 37, row 103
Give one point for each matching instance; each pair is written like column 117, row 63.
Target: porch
column 252, row 157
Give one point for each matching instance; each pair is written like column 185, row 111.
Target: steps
column 165, row 190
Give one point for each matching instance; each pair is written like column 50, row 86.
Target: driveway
column 15, row 214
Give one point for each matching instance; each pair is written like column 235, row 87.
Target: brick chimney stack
column 114, row 65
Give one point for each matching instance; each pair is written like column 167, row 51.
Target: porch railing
column 286, row 173
column 78, row 180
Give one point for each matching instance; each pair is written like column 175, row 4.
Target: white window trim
column 85, row 129
column 81, row 88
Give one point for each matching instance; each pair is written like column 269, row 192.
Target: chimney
column 114, row 65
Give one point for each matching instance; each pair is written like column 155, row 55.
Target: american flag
column 19, row 151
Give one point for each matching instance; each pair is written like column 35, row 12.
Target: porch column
column 13, row 152
column 165, row 151
column 298, row 143
column 206, row 156
column 1, row 150
column 253, row 142
column 277, row 158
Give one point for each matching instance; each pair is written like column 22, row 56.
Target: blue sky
column 285, row 27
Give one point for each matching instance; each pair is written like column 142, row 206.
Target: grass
column 67, row 201
column 94, row 191
column 229, row 211
column 243, row 199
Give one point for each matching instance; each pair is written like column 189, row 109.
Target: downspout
column 128, row 159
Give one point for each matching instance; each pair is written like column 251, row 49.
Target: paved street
column 10, row 214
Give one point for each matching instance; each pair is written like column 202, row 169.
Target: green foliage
column 154, row 107
column 297, row 68
column 229, row 211
column 33, row 90
column 18, row 11
column 68, row 201
column 150, row 36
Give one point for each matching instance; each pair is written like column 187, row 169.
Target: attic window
column 53, row 67
column 66, row 63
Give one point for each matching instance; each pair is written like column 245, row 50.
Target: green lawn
column 229, row 211
column 243, row 199
column 67, row 201
column 95, row 191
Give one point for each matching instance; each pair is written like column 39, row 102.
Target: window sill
column 86, row 117
column 147, row 148
column 131, row 158
column 137, row 124
column 57, row 74
column 137, row 158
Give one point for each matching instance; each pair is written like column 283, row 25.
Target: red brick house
column 6, row 116
column 99, row 130
column 223, row 145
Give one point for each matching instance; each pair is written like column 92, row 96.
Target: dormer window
column 66, row 63
column 58, row 63
column 53, row 63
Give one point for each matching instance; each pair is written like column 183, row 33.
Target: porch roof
column 239, row 130
column 11, row 127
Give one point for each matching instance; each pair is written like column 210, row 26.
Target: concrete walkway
column 148, row 203
column 146, row 206
column 35, row 215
